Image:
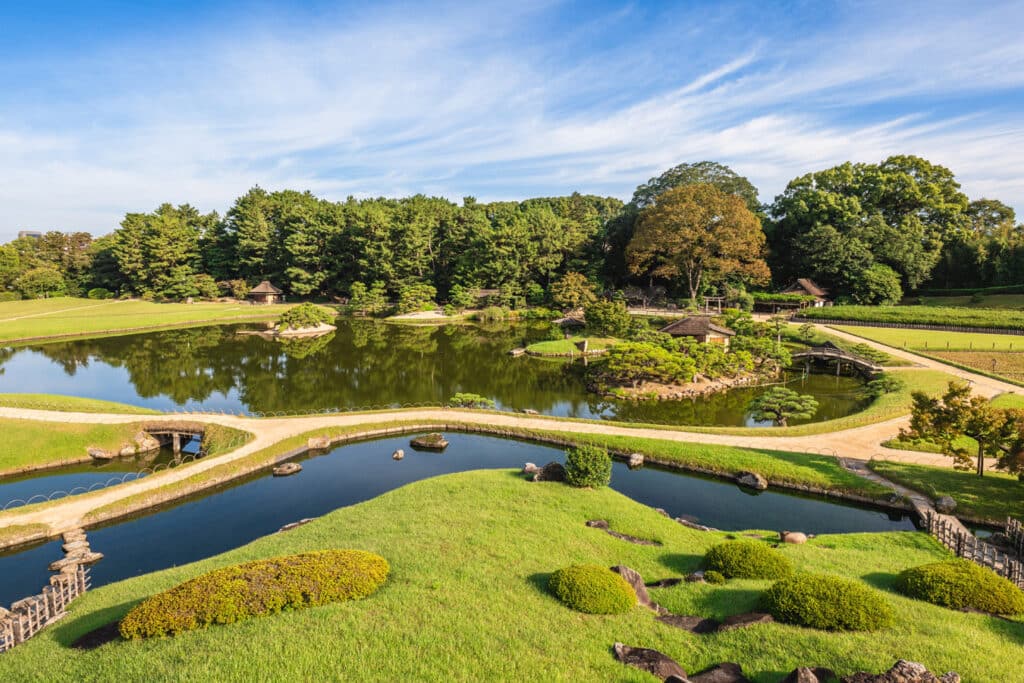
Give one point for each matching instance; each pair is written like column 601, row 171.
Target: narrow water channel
column 228, row 518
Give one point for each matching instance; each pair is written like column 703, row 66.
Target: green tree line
column 867, row 231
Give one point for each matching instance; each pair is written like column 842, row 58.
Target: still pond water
column 225, row 519
column 364, row 364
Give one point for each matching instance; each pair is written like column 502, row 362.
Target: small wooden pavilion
column 701, row 328
column 266, row 293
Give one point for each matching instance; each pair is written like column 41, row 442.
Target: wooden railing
column 972, row 548
column 1015, row 536
column 30, row 615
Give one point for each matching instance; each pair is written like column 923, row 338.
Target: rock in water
column 434, row 441
column 97, row 453
column 286, row 469
column 752, row 480
column 144, row 443
column 651, row 661
column 634, row 579
column 795, row 537
column 398, row 455
column 636, row 460
column 318, row 443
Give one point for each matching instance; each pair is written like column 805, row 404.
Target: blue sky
column 108, row 107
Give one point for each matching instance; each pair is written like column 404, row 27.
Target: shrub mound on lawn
column 961, row 583
column 711, row 576
column 231, row 594
column 747, row 560
column 829, row 603
column 592, row 589
column 588, row 466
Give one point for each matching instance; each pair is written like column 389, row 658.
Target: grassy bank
column 44, row 318
column 933, row 340
column 466, row 601
column 31, row 444
column 565, row 347
column 70, row 404
column 990, row 498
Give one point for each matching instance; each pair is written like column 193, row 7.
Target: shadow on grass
column 69, row 632
column 1007, row 629
column 723, row 601
column 539, row 582
column 681, row 563
column 885, row 581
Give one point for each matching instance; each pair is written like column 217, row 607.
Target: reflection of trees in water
column 369, row 363
column 303, row 347
column 5, row 354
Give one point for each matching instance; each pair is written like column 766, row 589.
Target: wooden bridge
column 829, row 352
column 170, row 434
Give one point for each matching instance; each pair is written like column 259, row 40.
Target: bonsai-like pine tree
column 780, row 405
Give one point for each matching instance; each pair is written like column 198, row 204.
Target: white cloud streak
column 382, row 106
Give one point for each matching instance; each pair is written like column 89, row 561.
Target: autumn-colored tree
column 702, row 235
column 572, row 291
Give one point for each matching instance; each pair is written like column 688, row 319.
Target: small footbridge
column 175, row 434
column 830, row 353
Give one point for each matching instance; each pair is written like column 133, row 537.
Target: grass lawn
column 992, row 497
column 470, row 556
column 933, row 340
column 71, row 404
column 560, row 347
column 1013, row 301
column 66, row 316
column 29, row 443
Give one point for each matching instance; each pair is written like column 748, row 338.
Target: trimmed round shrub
column 592, row 589
column 747, row 560
column 232, row 594
column 961, row 583
column 100, row 293
column 304, row 315
column 588, row 466
column 711, row 576
column 829, row 603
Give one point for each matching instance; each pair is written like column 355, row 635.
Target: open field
column 935, row 340
column 1006, row 301
column 921, row 315
column 467, row 601
column 993, row 497
column 21, row 320
column 1008, row 364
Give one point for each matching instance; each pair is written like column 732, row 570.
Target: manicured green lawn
column 1012, row 301
column 29, row 443
column 560, row 347
column 992, row 497
column 71, row 404
column 933, row 340
column 67, row 316
column 470, row 556
column 922, row 315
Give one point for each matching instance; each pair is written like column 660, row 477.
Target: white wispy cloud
column 454, row 103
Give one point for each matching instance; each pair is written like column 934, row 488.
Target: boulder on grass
column 530, row 468
column 97, row 453
column 553, row 471
column 795, row 537
column 945, row 505
column 726, row 672
column 752, row 480
column 145, row 443
column 651, row 661
column 903, row 672
column 634, row 579
column 318, row 443
column 807, row 674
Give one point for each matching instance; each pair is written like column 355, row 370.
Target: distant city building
column 35, row 234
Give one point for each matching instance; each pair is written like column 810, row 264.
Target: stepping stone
column 651, row 661
column 744, row 620
column 698, row 625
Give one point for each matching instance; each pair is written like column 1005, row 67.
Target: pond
column 364, row 364
column 225, row 519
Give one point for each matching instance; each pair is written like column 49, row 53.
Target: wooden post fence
column 27, row 617
column 972, row 548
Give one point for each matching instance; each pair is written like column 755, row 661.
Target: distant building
column 266, row 293
column 701, row 328
column 34, row 234
column 807, row 286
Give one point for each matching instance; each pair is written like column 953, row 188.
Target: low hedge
column 592, row 589
column 829, row 603
column 234, row 593
column 959, row 584
column 711, row 576
column 747, row 560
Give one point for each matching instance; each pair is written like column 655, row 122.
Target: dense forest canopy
column 867, row 231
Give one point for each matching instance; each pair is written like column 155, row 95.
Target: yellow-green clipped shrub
column 829, row 603
column 747, row 560
column 231, row 594
column 711, row 576
column 593, row 589
column 961, row 583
